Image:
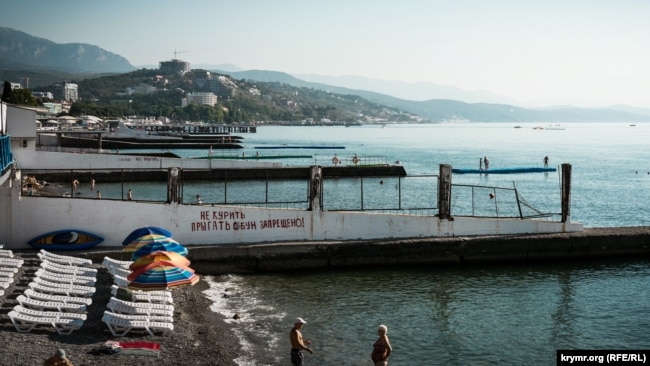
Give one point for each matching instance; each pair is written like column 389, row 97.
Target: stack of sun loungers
column 150, row 311
column 8, row 268
column 58, row 296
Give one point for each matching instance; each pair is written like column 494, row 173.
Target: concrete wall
column 592, row 243
column 626, row 242
column 34, row 160
column 26, row 217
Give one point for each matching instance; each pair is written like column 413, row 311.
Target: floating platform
column 108, row 175
column 255, row 157
column 323, row 147
column 518, row 170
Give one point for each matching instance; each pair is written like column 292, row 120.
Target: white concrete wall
column 26, row 217
column 33, row 160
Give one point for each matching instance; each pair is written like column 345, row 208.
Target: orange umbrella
column 161, row 275
column 167, row 256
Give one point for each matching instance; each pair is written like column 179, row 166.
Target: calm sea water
column 483, row 315
column 610, row 163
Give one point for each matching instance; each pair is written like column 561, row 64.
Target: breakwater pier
column 594, row 243
column 589, row 244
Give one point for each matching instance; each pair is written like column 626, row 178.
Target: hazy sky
column 538, row 52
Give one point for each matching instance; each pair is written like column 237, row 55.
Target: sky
column 590, row 53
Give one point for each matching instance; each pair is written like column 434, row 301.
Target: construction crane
column 177, row 52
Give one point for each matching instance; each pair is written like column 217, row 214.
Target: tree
column 24, row 97
column 7, row 93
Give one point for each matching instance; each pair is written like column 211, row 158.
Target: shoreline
column 200, row 336
column 206, row 338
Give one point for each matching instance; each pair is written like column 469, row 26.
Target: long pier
column 141, row 175
column 620, row 242
column 203, row 129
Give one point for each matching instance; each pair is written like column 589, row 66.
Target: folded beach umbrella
column 161, row 275
column 147, row 230
column 167, row 256
column 148, row 239
column 159, row 247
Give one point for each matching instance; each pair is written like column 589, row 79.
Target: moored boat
column 66, row 240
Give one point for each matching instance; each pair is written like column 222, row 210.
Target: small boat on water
column 66, row 240
column 122, row 136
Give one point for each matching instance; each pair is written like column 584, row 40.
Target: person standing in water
column 546, row 161
column 381, row 350
column 297, row 343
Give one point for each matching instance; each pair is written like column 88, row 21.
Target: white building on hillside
column 199, row 99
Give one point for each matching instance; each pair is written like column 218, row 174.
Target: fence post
column 174, row 185
column 315, row 187
column 566, row 192
column 444, row 192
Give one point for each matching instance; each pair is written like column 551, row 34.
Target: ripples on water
column 496, row 315
column 489, row 315
column 610, row 176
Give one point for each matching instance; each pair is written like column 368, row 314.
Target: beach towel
column 139, row 348
column 128, row 348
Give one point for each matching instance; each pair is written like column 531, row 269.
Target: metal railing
column 413, row 195
column 350, row 160
column 396, row 195
column 6, row 157
column 493, row 202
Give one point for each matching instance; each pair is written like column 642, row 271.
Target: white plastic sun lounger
column 49, row 314
column 25, row 323
column 120, row 324
column 115, row 263
column 76, row 272
column 64, row 259
column 158, row 297
column 45, row 282
column 8, row 272
column 6, row 253
column 11, row 262
column 120, row 281
column 50, row 305
column 119, row 271
column 68, row 269
column 13, row 270
column 67, row 291
column 140, row 308
column 5, row 282
column 62, row 278
column 37, row 295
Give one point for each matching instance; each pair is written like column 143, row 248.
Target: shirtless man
column 297, row 344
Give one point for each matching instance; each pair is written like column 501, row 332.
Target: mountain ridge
column 22, row 53
column 441, row 110
column 25, row 52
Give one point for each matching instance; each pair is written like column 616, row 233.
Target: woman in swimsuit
column 381, row 349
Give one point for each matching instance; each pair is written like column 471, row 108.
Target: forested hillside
column 252, row 101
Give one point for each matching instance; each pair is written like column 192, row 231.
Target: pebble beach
column 200, row 336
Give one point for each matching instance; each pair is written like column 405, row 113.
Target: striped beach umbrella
column 167, row 256
column 147, row 230
column 159, row 247
column 148, row 239
column 161, row 275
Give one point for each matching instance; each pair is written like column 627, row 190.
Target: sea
column 506, row 314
